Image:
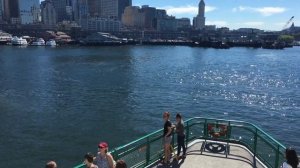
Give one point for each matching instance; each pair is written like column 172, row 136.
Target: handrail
column 241, row 122
column 148, row 140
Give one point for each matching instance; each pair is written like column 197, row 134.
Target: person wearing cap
column 104, row 159
column 88, row 161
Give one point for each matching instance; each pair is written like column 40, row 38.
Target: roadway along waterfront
column 58, row 103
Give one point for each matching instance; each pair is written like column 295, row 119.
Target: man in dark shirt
column 167, row 136
column 180, row 136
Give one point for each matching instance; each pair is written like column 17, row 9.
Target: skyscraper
column 48, row 13
column 199, row 20
column 1, row 10
column 29, row 11
column 122, row 4
column 113, row 8
column 60, row 8
column 11, row 10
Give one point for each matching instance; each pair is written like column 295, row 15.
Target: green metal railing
column 147, row 150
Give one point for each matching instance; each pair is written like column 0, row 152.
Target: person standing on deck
column 180, row 136
column 104, row 159
column 167, row 137
column 292, row 160
column 88, row 161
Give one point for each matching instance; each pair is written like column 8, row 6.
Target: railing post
column 148, row 151
column 205, row 129
column 187, row 136
column 255, row 148
column 277, row 157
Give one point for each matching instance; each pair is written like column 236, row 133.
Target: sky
column 262, row 14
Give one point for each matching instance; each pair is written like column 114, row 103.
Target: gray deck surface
column 238, row 157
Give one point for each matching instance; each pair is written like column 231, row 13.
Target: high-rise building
column 122, row 4
column 1, row 10
column 29, row 11
column 113, row 8
column 11, row 12
column 48, row 13
column 133, row 17
column 60, row 8
column 150, row 14
column 94, row 7
column 199, row 20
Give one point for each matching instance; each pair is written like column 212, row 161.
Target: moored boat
column 51, row 43
column 4, row 38
column 18, row 41
column 38, row 42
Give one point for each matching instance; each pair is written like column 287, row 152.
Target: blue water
column 58, row 103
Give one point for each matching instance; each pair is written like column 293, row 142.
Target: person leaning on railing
column 292, row 160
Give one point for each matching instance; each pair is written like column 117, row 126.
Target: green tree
column 286, row 38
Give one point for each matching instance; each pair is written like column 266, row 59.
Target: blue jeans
column 181, row 144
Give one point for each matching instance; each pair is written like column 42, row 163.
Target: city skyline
column 267, row 14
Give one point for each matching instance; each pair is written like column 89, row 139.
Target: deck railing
column 145, row 151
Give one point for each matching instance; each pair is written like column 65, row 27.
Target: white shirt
column 286, row 165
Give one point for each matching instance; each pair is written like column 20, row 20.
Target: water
column 58, row 103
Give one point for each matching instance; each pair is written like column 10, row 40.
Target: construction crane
column 287, row 23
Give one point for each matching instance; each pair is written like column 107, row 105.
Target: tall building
column 60, row 8
column 48, row 13
column 113, row 8
column 1, row 10
column 133, row 17
column 11, row 12
column 150, row 14
column 94, row 7
column 199, row 20
column 29, row 11
column 122, row 4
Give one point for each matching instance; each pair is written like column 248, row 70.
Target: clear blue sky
column 263, row 14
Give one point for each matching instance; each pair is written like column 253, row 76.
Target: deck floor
column 238, row 157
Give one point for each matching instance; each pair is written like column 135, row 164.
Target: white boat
column 38, row 42
column 51, row 43
column 18, row 41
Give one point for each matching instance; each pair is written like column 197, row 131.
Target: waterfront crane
column 288, row 22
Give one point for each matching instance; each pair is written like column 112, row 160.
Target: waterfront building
column 29, row 11
column 11, row 12
column 48, row 13
column 99, row 24
column 149, row 16
column 199, row 20
column 133, row 17
column 168, row 24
